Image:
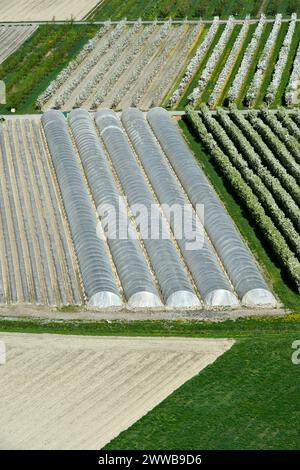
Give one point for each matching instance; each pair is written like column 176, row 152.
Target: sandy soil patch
column 44, row 10
column 76, row 392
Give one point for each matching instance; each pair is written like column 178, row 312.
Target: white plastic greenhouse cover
column 98, row 279
column 237, row 260
column 164, row 258
column 210, row 279
column 129, row 260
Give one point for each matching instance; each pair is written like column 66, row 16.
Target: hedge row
column 287, row 259
column 268, row 158
column 289, row 124
column 254, row 181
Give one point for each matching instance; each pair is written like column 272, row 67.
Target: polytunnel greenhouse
column 78, row 175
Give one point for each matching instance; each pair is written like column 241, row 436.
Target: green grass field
column 247, row 399
column 193, row 9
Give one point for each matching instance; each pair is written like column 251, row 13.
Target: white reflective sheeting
column 181, row 298
column 259, row 297
column 95, row 267
column 162, row 253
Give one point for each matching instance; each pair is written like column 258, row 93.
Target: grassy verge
column 31, row 69
column 264, row 257
column 249, row 327
column 247, row 399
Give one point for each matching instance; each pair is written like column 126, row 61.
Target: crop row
column 244, row 68
column 250, row 155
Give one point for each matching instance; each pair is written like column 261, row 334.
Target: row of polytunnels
column 90, row 213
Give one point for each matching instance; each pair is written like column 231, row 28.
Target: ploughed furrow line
column 99, row 229
column 114, row 382
column 7, row 173
column 209, row 277
column 7, row 250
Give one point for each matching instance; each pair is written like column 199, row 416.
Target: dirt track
column 75, row 392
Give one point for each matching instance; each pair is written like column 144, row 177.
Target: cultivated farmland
column 32, row 67
column 193, row 9
column 11, row 38
column 258, row 156
column 43, row 10
column 139, row 270
column 246, row 64
column 110, row 384
column 137, row 67
column 39, row 265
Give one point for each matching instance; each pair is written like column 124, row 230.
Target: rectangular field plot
column 12, row 37
column 124, row 65
column 38, row 264
column 249, row 64
column 57, row 171
column 45, row 10
column 76, row 392
column 258, row 155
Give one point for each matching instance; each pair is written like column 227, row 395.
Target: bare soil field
column 12, row 37
column 125, row 65
column 77, row 392
column 42, row 10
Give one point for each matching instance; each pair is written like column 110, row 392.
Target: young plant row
column 258, row 205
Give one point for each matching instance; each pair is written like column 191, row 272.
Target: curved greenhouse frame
column 236, row 258
column 98, row 279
